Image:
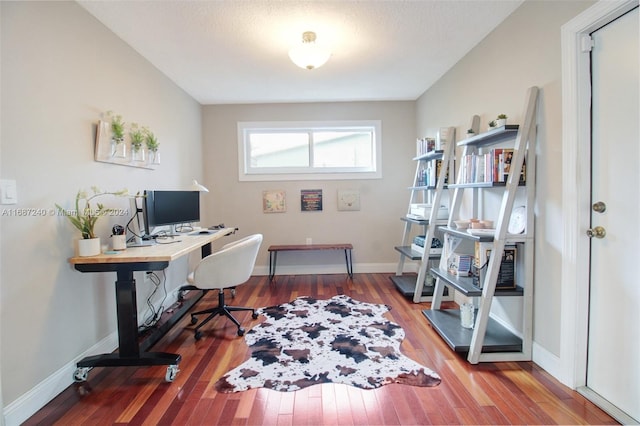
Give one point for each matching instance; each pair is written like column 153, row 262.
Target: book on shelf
column 422, row 211
column 425, row 145
column 419, row 241
column 443, row 138
column 507, row 272
column 429, row 172
column 490, row 167
column 460, row 264
column 508, row 156
column 420, row 249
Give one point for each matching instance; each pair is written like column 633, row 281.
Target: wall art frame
column 108, row 151
column 274, row 201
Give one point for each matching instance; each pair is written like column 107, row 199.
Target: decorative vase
column 89, row 247
column 153, row 159
column 467, row 312
column 137, row 155
column 118, row 149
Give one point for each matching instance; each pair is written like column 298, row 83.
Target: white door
column 613, row 361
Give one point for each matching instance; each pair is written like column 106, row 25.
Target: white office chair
column 228, row 267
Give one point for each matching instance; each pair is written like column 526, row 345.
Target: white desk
column 125, row 263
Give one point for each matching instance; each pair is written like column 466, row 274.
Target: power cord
column 156, row 313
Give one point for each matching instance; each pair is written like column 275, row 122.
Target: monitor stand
column 142, row 242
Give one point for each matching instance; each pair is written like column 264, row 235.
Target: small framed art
column 311, row 200
column 274, row 201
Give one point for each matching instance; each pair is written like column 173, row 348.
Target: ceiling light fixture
column 309, row 55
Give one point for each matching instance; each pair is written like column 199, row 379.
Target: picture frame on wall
column 311, row 200
column 348, row 200
column 108, row 151
column 274, row 201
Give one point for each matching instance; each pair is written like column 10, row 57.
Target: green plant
column 117, row 127
column 470, row 131
column 492, row 123
column 502, row 117
column 151, row 140
column 84, row 217
column 137, row 137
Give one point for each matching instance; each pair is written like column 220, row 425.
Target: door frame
column 576, row 189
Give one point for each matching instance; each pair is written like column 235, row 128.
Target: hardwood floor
column 487, row 393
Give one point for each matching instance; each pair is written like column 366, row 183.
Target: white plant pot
column 89, row 247
column 501, row 122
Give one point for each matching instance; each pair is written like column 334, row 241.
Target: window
column 309, row 150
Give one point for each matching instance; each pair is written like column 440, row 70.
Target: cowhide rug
column 339, row 340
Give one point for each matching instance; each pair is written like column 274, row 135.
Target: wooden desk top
column 166, row 250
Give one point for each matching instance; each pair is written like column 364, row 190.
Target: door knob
column 599, row 207
column 598, row 232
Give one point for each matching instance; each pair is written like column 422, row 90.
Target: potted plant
column 492, row 124
column 501, row 120
column 85, row 216
column 470, row 133
column 118, row 147
column 152, row 145
column 137, row 139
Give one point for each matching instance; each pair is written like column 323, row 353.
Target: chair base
column 221, row 309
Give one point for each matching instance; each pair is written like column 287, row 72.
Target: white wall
column 493, row 78
column 373, row 230
column 60, row 70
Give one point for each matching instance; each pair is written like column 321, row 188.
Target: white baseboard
column 368, row 268
column 32, row 401
column 28, row 404
column 548, row 361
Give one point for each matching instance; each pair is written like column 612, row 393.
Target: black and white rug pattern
column 311, row 341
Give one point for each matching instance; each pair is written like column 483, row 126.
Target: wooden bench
column 273, row 254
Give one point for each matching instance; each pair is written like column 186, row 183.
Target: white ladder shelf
column 411, row 285
column 491, row 339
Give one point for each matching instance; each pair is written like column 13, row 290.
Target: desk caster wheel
column 172, row 371
column 254, row 315
column 198, row 335
column 193, row 320
column 81, row 374
column 241, row 331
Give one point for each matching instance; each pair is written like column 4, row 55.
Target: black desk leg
column 273, row 256
column 128, row 350
column 205, row 250
column 349, row 260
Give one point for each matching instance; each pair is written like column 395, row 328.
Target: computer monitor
column 172, row 208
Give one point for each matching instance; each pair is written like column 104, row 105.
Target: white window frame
column 246, row 173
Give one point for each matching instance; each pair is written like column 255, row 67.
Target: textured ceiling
column 236, row 51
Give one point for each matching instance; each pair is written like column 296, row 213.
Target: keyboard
column 142, row 244
column 203, row 231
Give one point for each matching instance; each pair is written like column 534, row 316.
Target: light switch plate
column 8, row 191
